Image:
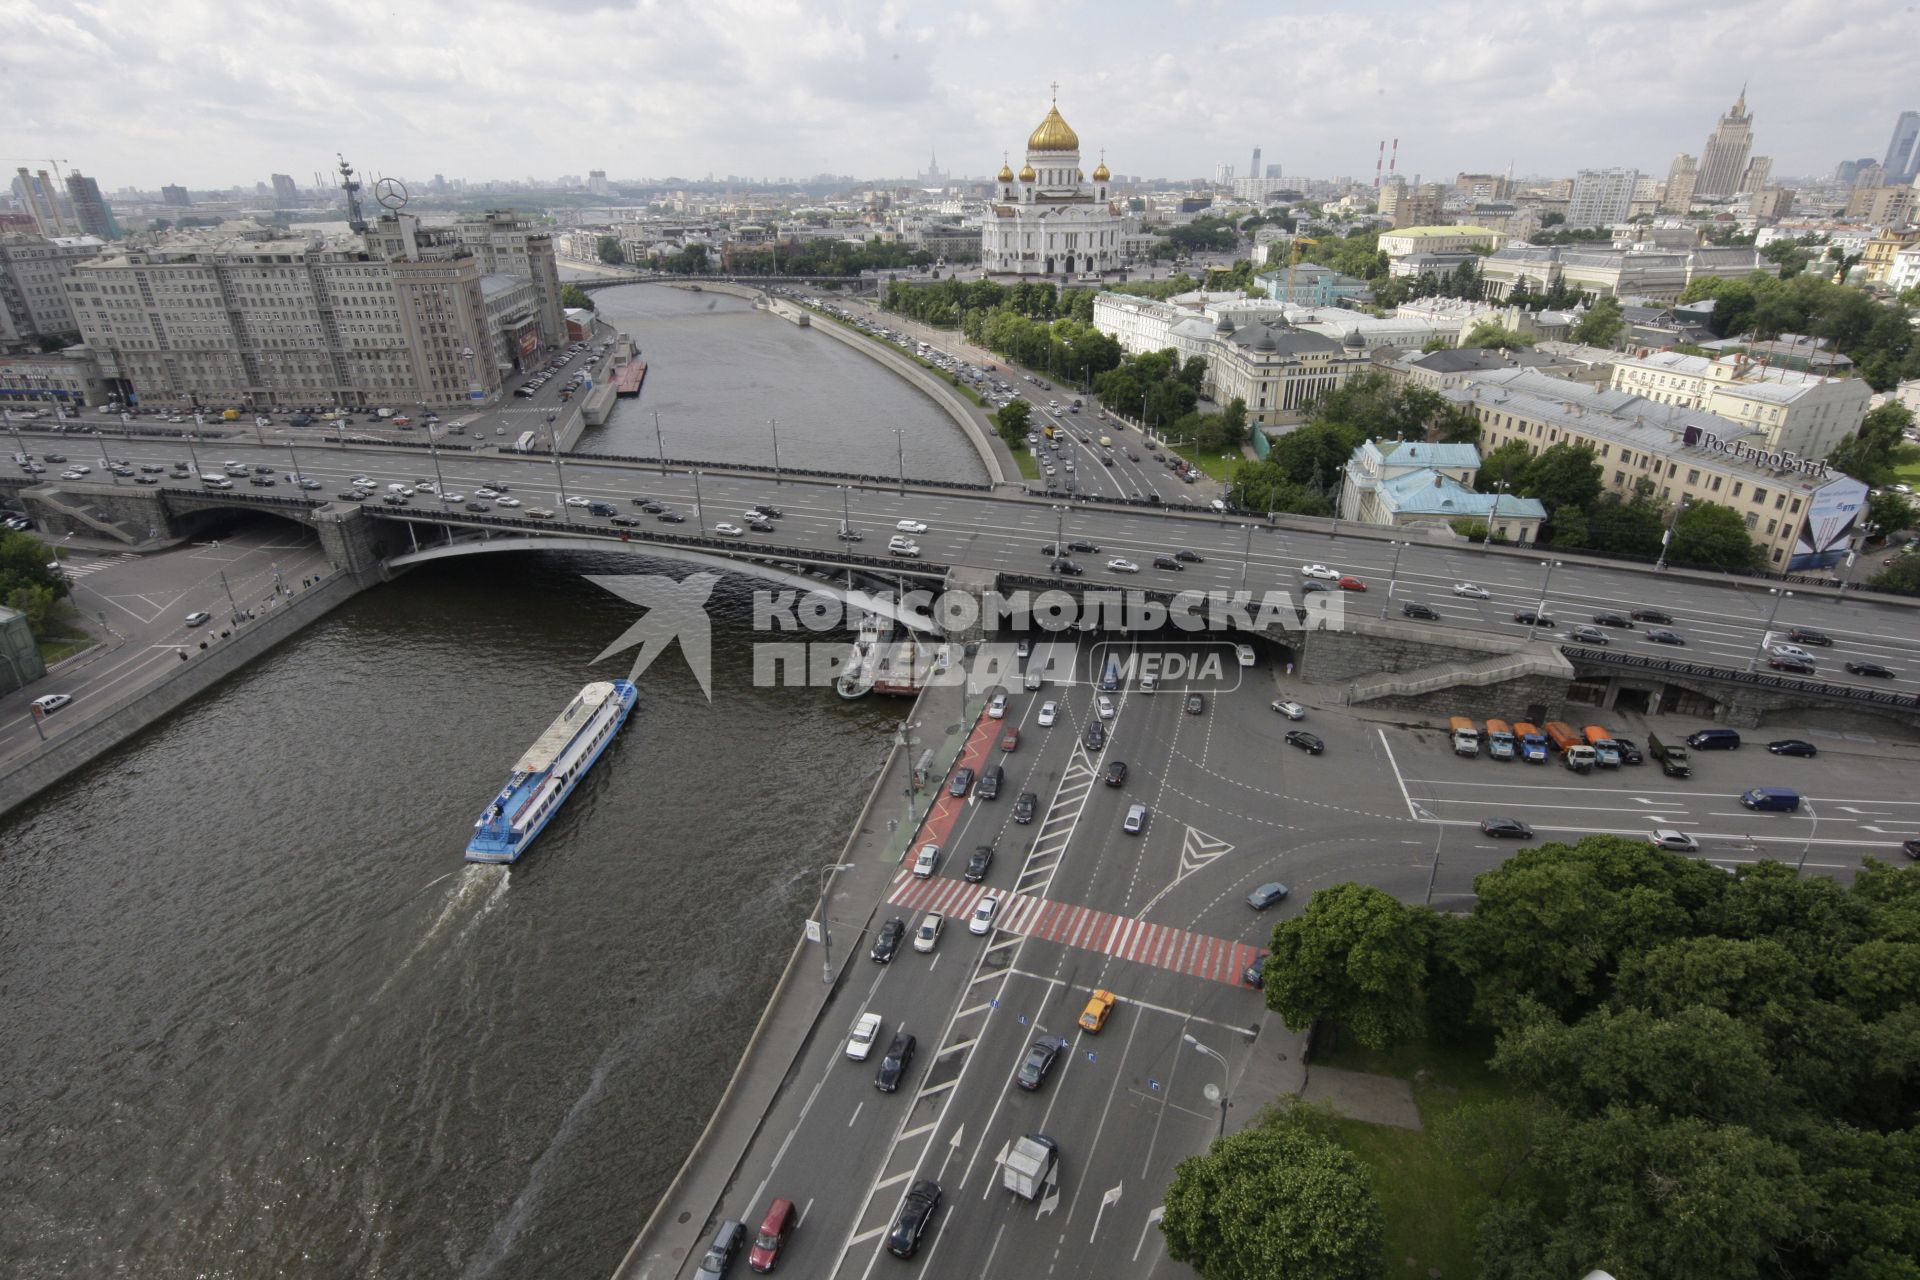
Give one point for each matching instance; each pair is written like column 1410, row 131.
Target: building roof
column 1480, row 359
column 1439, row 494
column 1277, row 336
column 1434, row 233
column 1423, row 453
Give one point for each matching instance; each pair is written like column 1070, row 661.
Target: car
column 1590, row 635
column 997, row 709
column 1472, row 591
column 1291, row 710
column 983, row 913
column 1041, row 1055
column 1099, row 1007
column 910, row 526
column 1533, row 618
column 887, row 941
column 48, row 703
column 671, row 517
column 55, row 457
column 574, row 500
column 1255, row 975
column 1911, row 848
column 1024, row 806
column 1307, row 742
column 1807, row 635
column 1790, row 651
column 1318, row 571
column 980, row 863
column 1049, row 712
column 760, row 526
column 1678, row 841
column 850, row 535
column 1414, row 609
column 539, row 513
column 1791, row 665
column 1116, row 775
column 1189, row 556
column 72, row 473
column 927, row 860
column 1136, row 820
column 916, row 1214
column 770, row 511
column 1095, row 737
column 1662, row 635
column 726, row 529
column 1629, row 751
column 510, row 501
column 156, row 480
column 1267, row 895
column 1196, row 703
column 216, row 482
column 1863, row 668
column 198, row 618
column 478, row 506
column 927, row 936
column 1507, row 828
column 775, row 1228
column 1067, row 568
column 961, row 784
column 1793, row 747
column 1658, row 616
column 1104, row 706
column 1350, row 583
column 727, row 1243
column 894, row 1063
column 864, row 1035
column 1612, row 620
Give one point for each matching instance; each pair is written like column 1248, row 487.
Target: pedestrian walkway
column 81, row 568
column 1127, row 938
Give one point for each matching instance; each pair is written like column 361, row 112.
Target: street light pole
column 1666, row 536
column 559, row 476
column 900, row 453
column 659, row 442
column 1498, row 489
column 438, row 479
column 826, row 937
column 1779, row 594
column 298, row 478
column 1807, row 848
column 846, row 516
column 774, row 425
column 1200, row 1048
column 699, row 507
column 1393, row 577
column 1540, row 608
column 1245, row 556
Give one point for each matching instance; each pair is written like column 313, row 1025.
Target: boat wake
column 472, row 896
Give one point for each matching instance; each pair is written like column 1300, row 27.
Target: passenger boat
column 549, row 771
column 879, row 664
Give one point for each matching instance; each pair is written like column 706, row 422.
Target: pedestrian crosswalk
column 75, row 568
column 1127, row 938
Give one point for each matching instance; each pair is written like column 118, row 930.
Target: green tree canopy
column 1602, row 325
column 1713, row 536
column 1490, row 333
column 608, row 247
column 1356, row 956
column 572, row 295
column 1011, row 420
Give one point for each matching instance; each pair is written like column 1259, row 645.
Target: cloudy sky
column 211, row 93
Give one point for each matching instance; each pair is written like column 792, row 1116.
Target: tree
column 1889, row 512
column 572, row 295
column 1564, row 475
column 1508, row 462
column 1282, row 1202
column 1713, row 536
column 1356, row 956
column 608, row 247
column 1233, row 424
column 1901, row 578
column 1011, row 420
column 1602, row 325
column 1490, row 333
column 1868, row 455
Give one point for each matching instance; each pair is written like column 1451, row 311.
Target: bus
column 525, row 443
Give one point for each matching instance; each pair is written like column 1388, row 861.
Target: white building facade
column 1802, row 413
column 1049, row 219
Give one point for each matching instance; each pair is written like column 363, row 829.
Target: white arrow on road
column 958, row 1135
column 1052, row 1201
column 1112, row 1197
column 1154, row 1215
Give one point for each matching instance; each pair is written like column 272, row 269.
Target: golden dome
column 1053, row 134
column 1027, row 174
column 1100, row 174
column 1006, row 172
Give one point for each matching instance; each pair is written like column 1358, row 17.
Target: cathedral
column 1050, row 220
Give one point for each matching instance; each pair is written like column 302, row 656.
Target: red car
column 1010, row 740
column 780, row 1221
column 1351, row 583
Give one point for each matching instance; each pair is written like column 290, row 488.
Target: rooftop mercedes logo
column 390, row 192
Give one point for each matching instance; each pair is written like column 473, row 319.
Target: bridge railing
column 1735, row 675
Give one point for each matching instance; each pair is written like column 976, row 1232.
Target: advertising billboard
column 1835, row 514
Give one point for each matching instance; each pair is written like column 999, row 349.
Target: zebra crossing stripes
column 1071, row 925
column 81, row 568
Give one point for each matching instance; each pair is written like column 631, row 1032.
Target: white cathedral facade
column 1050, row 220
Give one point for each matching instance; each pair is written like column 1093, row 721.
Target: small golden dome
column 1006, row 172
column 1100, row 174
column 1053, row 134
column 1027, row 174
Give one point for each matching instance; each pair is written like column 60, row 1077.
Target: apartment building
column 33, row 294
column 1802, row 413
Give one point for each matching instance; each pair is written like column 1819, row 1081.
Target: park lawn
column 1028, row 466
column 59, row 648
column 1215, row 465
column 1906, row 465
column 1430, row 1204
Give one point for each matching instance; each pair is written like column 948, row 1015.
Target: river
column 260, row 1019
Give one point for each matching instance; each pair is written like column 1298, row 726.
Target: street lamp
column 559, row 476
column 1808, row 846
column 1245, row 556
column 1393, row 576
column 1779, row 594
column 299, row 479
column 699, row 507
column 773, row 424
column 1200, row 1048
column 1439, row 833
column 659, row 442
column 1499, row 488
column 438, row 480
column 900, row 455
column 1541, row 608
column 846, row 516
column 1666, row 537
column 826, row 938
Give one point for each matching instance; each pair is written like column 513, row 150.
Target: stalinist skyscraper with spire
column 1723, row 162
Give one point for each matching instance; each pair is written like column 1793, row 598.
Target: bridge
column 980, row 538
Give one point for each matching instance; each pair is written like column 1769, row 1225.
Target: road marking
column 1412, row 810
column 1111, row 1198
column 1154, row 1215
column 856, row 1114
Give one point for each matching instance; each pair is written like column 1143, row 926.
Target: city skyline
column 772, row 90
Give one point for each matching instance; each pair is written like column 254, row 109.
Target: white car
column 928, row 859
column 910, row 526
column 1243, row 654
column 575, row 500
column 1291, row 710
column 1793, row 651
column 983, row 913
column 1678, row 841
column 49, row 702
column 484, row 492
column 507, row 502
column 900, row 540
column 1318, row 571
column 453, row 497
column 1049, row 712
column 72, row 473
column 907, row 549
column 1471, row 591
column 1119, row 565
column 1105, row 706
column 866, row 1030
column 997, row 709
column 927, row 936
column 366, row 482
column 729, row 530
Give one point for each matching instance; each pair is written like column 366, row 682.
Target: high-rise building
column 597, row 182
column 1903, row 151
column 90, row 208
column 1846, row 171
column 1759, row 172
column 33, row 291
column 286, row 193
column 510, row 245
column 1601, row 197
column 176, row 196
column 1723, row 162
column 1253, row 170
column 1682, row 175
column 1273, row 171
column 1223, row 175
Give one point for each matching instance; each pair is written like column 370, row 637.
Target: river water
column 258, row 1019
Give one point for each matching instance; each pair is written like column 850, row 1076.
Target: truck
column 1561, row 734
column 1499, row 740
column 1029, row 1165
column 1606, row 753
column 1465, row 735
column 1533, row 743
column 1673, row 759
column 1047, row 430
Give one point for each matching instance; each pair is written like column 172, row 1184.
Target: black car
column 849, row 535
column 1660, row 635
column 1024, row 806
column 643, row 502
column 1189, row 556
column 55, row 457
column 1869, row 669
column 1255, row 974
column 1510, row 828
column 894, row 1065
column 915, row 1216
column 1167, row 562
column 351, row 495
column 1611, row 620
column 1653, row 615
column 770, row 511
column 1116, row 773
column 1911, row 848
column 652, row 508
column 1039, row 1060
column 961, row 784
column 1067, row 567
column 887, row 941
column 625, row 522
column 760, row 526
column 671, row 517
column 1312, row 585
column 1805, row 635
column 1792, row 747
column 1267, row 895
column 1790, row 664
column 1084, row 548
column 1307, row 742
column 477, row 505
column 1629, row 751
column 1414, row 609
column 1196, row 703
column 1532, row 618
column 265, row 482
column 978, row 864
column 1096, row 736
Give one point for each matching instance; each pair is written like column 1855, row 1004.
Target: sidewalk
column 682, row 1222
